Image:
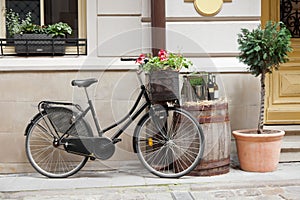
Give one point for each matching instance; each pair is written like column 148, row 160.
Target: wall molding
column 225, row 1
column 118, row 15
column 210, row 55
column 205, row 19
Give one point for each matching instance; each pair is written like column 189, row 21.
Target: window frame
column 82, row 20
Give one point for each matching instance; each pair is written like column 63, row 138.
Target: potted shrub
column 34, row 39
column 263, row 50
column 163, row 74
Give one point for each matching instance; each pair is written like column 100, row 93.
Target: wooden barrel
column 214, row 120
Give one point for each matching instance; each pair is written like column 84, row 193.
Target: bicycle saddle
column 84, row 83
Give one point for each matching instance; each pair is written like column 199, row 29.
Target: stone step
column 289, row 157
column 290, row 150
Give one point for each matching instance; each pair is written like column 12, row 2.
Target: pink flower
column 162, row 53
column 163, row 58
column 142, row 56
column 140, row 59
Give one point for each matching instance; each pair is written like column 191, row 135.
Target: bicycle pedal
column 117, row 140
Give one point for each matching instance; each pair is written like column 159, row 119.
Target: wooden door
column 283, row 86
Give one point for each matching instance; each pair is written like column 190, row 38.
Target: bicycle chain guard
column 103, row 148
column 100, row 147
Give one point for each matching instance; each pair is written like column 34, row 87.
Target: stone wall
column 120, row 28
column 114, row 95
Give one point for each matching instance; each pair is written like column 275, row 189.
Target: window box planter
column 38, row 44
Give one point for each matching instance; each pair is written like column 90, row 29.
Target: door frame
column 278, row 110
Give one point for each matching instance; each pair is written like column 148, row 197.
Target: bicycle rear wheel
column 44, row 152
column 169, row 144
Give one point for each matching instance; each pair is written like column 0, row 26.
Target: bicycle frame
column 130, row 117
column 134, row 112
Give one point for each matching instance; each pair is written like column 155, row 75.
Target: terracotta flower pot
column 258, row 152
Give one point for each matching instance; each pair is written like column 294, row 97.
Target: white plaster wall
column 119, row 27
column 205, row 37
column 119, row 7
column 215, row 37
column 179, row 8
column 243, row 93
column 119, row 36
column 120, row 31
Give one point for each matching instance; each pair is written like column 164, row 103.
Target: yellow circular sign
column 208, row 7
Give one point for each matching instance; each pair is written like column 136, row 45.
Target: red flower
column 162, row 54
column 163, row 58
column 141, row 58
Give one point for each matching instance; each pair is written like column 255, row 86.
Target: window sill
column 64, row 63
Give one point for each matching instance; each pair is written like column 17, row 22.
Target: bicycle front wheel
column 169, row 144
column 47, row 156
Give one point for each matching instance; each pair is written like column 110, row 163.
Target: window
column 23, row 7
column 48, row 11
column 62, row 10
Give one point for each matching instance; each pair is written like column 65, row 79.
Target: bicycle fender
column 134, row 138
column 32, row 121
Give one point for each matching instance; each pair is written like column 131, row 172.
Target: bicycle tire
column 43, row 155
column 170, row 145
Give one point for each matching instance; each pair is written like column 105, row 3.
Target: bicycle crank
column 104, row 148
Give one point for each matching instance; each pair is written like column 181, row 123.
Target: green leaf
column 257, row 48
column 265, row 56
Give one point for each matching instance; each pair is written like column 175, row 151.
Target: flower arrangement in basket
column 163, row 74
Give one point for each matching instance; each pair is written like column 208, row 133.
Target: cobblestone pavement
column 138, row 184
column 165, row 192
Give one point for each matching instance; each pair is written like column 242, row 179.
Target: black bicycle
column 59, row 141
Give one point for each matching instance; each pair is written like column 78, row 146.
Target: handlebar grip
column 128, row 59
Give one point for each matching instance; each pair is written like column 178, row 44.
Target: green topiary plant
column 264, row 49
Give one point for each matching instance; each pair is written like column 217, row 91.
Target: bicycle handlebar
column 128, row 59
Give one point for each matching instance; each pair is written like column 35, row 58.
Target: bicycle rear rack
column 44, row 105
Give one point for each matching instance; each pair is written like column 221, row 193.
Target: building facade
column 121, row 29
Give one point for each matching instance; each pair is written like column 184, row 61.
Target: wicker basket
column 163, row 85
column 38, row 44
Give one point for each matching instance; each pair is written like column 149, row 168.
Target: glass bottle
column 184, row 90
column 216, row 88
column 210, row 87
